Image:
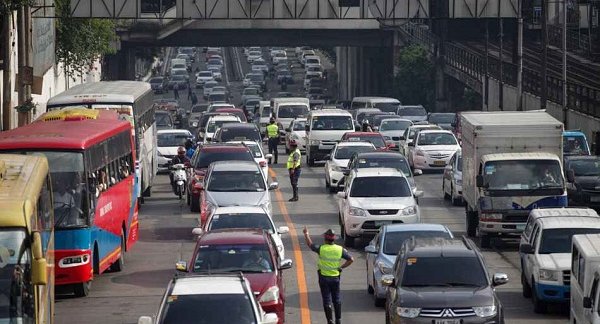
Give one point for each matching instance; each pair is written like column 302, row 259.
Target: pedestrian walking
column 273, row 139
column 176, row 92
column 190, row 92
column 330, row 270
column 293, row 166
column 194, row 98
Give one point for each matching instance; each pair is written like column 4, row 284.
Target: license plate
column 439, row 162
column 447, row 321
column 381, row 223
column 595, row 199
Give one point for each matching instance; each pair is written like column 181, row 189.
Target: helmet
column 293, row 143
column 181, row 150
column 272, row 120
column 329, row 235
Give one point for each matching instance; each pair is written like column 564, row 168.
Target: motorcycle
column 179, row 179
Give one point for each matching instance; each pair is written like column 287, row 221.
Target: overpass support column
column 121, row 65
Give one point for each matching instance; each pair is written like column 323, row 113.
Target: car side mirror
column 273, row 185
column 499, row 279
column 417, row 172
column 285, row 264
column 526, row 248
column 145, row 320
column 270, row 318
column 283, row 230
column 479, row 181
column 39, row 264
column 341, row 195
column 346, row 172
column 418, row 193
column 327, row 157
column 370, row 249
column 388, row 281
column 587, row 302
column 570, row 175
column 181, row 266
column 197, row 231
column 268, row 156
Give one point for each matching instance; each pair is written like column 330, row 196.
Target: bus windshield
column 16, row 266
column 69, row 187
column 292, row 111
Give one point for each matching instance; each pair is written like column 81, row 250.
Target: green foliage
column 415, row 83
column 7, row 6
column 79, row 42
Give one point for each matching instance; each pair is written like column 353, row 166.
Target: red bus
column 91, row 156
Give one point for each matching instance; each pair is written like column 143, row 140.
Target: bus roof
column 69, row 133
column 109, row 92
column 21, row 179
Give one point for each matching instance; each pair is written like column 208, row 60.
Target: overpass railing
column 579, row 97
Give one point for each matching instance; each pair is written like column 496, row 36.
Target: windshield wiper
column 463, row 284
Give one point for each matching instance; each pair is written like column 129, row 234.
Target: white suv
column 432, row 149
column 216, row 298
column 215, row 122
column 545, row 252
column 374, row 197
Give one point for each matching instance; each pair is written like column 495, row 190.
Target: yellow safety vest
column 290, row 162
column 329, row 260
column 272, row 130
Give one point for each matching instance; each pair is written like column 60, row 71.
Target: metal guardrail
column 579, row 97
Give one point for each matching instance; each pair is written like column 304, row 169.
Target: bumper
column 501, row 227
column 318, row 152
column 366, row 226
column 380, row 290
column 461, row 320
column 427, row 163
column 72, row 274
column 553, row 293
column 278, row 308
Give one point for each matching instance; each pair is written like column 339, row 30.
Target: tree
column 415, row 81
column 80, row 42
column 7, row 6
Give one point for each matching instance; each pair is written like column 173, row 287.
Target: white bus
column 133, row 100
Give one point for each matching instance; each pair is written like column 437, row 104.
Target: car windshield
column 458, row 272
column 389, row 107
column 205, row 158
column 558, row 240
column 299, row 125
column 266, row 112
column 240, row 133
column 346, row 152
column 398, row 163
column 15, row 286
column 441, row 118
column 412, row 111
column 575, row 145
column 177, row 77
column 199, row 108
column 208, row 309
column 256, row 77
column 250, row 92
column 292, row 111
column 156, row 80
column 236, row 181
column 205, row 74
column 213, row 125
column 255, row 149
column 523, row 175
column 380, row 187
column 393, row 240
column 241, row 220
column 585, row 167
column 219, row 89
column 247, row 258
column 215, row 62
column 210, row 85
column 217, row 97
column 436, row 139
column 377, row 141
column 172, row 139
column 332, row 123
column 392, row 125
column 163, row 120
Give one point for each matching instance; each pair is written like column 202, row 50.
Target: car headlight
column 485, row 311
column 270, row 295
column 384, row 268
column 159, row 154
column 353, row 211
column 315, row 142
column 408, row 211
column 548, row 275
column 491, row 216
column 408, row 312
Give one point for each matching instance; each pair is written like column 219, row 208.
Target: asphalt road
column 165, row 237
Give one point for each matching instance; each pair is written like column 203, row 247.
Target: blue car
column 383, row 249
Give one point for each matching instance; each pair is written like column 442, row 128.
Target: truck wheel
column 485, row 240
column 526, row 288
column 539, row 306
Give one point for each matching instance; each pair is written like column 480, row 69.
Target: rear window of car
column 241, row 220
column 399, row 163
column 393, row 240
column 412, row 111
column 199, row 108
column 458, row 272
column 206, row 157
column 240, row 133
column 212, row 308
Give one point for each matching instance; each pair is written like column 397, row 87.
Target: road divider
column 298, row 261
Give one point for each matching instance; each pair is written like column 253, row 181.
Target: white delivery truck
column 585, row 279
column 324, row 128
column 512, row 163
column 287, row 109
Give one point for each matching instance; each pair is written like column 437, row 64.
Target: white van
column 264, row 115
column 287, row 109
column 382, row 103
column 585, row 279
column 324, row 128
column 545, row 252
column 311, row 60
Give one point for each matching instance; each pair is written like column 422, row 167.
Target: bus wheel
column 120, row 263
column 82, row 289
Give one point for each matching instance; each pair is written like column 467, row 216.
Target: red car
column 234, row 111
column 203, row 157
column 371, row 137
column 250, row 251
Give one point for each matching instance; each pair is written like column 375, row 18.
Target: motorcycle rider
column 180, row 158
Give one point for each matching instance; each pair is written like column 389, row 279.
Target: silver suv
column 461, row 293
column 217, row 299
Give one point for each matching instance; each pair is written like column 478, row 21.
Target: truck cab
column 285, row 110
column 575, row 143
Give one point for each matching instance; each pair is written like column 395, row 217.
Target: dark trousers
column 273, row 142
column 330, row 289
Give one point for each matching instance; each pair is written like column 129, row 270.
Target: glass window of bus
column 16, row 290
